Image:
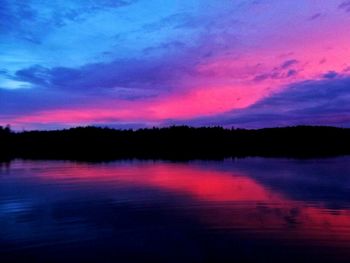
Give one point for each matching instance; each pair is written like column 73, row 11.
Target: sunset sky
column 143, row 63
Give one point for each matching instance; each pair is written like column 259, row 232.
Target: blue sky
column 139, row 63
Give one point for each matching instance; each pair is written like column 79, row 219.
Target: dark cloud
column 36, row 75
column 289, row 63
column 331, row 75
column 60, row 87
column 285, row 70
column 292, row 72
column 322, row 102
column 262, row 77
column 315, row 16
column 275, row 75
column 133, row 74
column 345, row 6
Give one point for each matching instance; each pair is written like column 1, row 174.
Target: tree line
column 176, row 142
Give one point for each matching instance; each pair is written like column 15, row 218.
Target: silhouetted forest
column 177, row 142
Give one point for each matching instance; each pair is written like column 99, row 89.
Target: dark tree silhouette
column 176, row 142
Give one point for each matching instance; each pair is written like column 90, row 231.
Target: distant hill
column 177, row 143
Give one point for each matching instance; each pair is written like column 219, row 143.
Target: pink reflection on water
column 222, row 200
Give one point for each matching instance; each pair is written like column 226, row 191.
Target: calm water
column 247, row 210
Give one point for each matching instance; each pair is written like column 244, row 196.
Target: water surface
column 245, row 210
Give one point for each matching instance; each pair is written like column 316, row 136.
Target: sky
column 144, row 63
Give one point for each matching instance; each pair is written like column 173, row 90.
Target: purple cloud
column 345, row 6
column 289, row 63
column 321, row 102
column 315, row 16
column 331, row 75
column 280, row 72
column 158, row 75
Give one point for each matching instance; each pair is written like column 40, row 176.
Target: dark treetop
column 178, row 142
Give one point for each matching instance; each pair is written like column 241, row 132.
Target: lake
column 240, row 210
